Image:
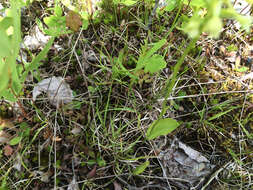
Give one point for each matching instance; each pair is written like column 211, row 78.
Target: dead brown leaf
column 8, row 150
column 92, row 173
column 117, row 186
column 4, row 137
column 73, row 21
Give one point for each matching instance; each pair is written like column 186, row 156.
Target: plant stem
column 171, row 82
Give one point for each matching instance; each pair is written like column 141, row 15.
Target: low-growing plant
column 13, row 75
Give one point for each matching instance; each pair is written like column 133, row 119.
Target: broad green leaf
column 8, row 95
column 16, row 37
column 16, row 83
column 210, row 29
column 5, row 44
column 155, row 64
column 4, row 77
column 141, row 168
column 144, row 58
column 15, row 140
column 6, row 23
column 57, row 11
column 161, row 127
column 56, row 25
column 156, row 47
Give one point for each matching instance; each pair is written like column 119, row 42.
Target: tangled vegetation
column 126, row 94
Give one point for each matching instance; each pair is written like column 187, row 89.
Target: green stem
column 170, row 83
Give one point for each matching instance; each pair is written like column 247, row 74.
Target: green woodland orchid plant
column 206, row 16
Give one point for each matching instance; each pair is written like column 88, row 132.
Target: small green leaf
column 8, row 95
column 101, row 162
column 146, row 55
column 128, row 2
column 221, row 114
column 155, row 64
column 242, row 69
column 141, row 168
column 57, row 11
column 172, row 4
column 15, row 140
column 85, row 24
column 161, row 127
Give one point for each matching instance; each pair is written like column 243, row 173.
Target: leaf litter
column 189, row 166
column 36, row 40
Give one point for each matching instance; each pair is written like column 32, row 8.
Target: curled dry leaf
column 182, row 162
column 58, row 91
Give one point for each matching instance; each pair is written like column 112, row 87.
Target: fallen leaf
column 17, row 163
column 4, row 137
column 73, row 185
column 8, row 150
column 117, row 186
column 58, row 91
column 182, row 162
column 76, row 130
column 73, row 21
column 56, row 139
column 36, row 40
column 92, row 173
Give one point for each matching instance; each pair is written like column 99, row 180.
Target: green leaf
column 8, row 95
column 15, row 140
column 128, row 2
column 56, row 25
column 5, row 44
column 16, row 83
column 141, row 168
column 144, row 58
column 242, row 69
column 4, row 77
column 57, row 11
column 196, row 3
column 6, row 23
column 161, row 127
column 171, row 4
column 221, row 114
column 36, row 61
column 85, row 24
column 155, row 64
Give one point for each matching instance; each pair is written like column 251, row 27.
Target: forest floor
column 99, row 140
